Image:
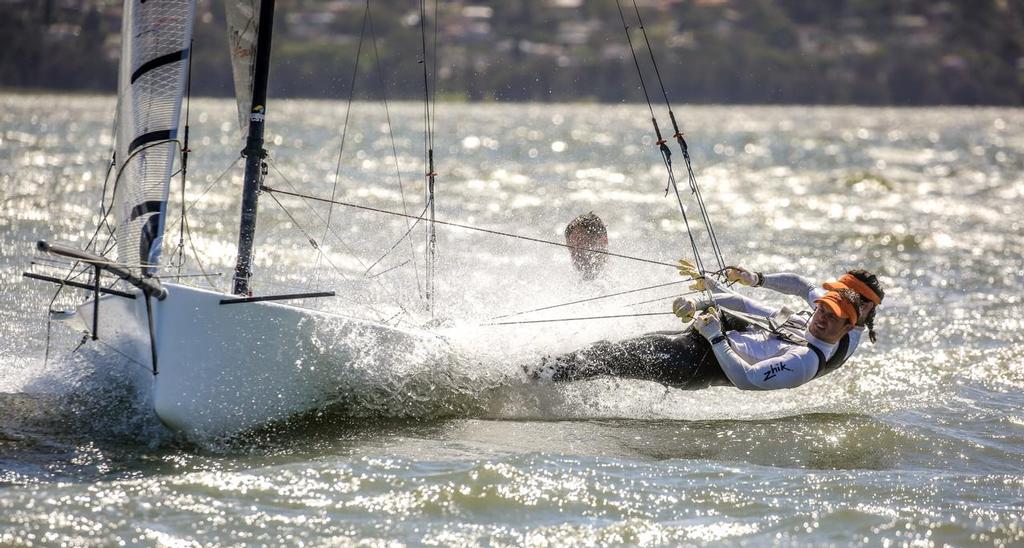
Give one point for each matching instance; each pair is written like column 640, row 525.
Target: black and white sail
column 155, row 45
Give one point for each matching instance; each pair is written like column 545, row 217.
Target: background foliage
column 877, row 52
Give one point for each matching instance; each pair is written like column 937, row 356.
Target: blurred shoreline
column 743, row 52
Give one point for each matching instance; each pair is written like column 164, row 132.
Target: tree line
column 872, row 52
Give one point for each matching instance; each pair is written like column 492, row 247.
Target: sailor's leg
column 681, row 359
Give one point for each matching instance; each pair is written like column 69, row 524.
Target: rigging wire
column 385, row 271
column 195, row 253
column 306, row 200
column 104, row 211
column 394, row 152
column 587, row 300
column 553, row 320
column 319, row 217
column 327, row 258
column 208, row 188
column 428, row 144
column 341, row 150
column 694, row 187
column 666, row 154
column 396, row 244
column 609, row 295
column 72, row 272
column 667, row 297
column 184, row 164
column 468, row 227
column 188, row 227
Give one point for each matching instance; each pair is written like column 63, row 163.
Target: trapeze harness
column 788, row 326
column 682, row 359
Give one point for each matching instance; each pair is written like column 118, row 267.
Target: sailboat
column 220, row 363
column 223, row 363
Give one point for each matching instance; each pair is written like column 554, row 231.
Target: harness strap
column 837, row 359
column 781, row 327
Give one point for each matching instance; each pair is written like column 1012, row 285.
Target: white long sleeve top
column 756, row 359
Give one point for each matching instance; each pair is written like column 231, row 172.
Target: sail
column 155, row 44
column 243, row 22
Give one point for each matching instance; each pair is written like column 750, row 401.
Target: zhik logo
column 775, row 370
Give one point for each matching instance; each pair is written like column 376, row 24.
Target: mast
column 428, row 144
column 254, row 152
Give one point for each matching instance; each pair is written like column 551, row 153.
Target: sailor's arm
column 793, row 368
column 783, row 282
column 786, row 371
column 788, row 284
column 723, row 296
column 727, row 298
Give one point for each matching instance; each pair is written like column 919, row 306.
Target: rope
column 392, row 248
column 580, row 319
column 468, row 227
column 341, row 149
column 313, row 242
column 666, row 154
column 428, row 144
column 394, row 150
column 716, row 249
column 591, row 299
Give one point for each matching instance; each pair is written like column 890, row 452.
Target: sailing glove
column 688, row 269
column 743, row 276
column 684, row 308
column 708, row 324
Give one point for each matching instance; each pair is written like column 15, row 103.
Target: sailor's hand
column 688, row 269
column 741, row 275
column 708, row 324
column 684, row 308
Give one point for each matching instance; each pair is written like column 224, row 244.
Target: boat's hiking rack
column 149, row 286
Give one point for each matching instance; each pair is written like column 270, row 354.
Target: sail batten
column 155, row 46
column 159, row 62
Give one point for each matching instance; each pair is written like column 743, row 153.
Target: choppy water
column 919, row 440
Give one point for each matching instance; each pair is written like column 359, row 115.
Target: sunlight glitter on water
column 916, row 441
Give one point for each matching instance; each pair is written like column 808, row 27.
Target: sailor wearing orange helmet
column 739, row 341
column 778, row 348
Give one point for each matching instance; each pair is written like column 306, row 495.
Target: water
column 919, row 440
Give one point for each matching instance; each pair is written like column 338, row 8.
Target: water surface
column 920, row 439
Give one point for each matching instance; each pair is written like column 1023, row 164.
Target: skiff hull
column 223, row 369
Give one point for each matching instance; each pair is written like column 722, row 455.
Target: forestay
column 155, row 44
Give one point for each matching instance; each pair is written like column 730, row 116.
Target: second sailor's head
column 583, row 234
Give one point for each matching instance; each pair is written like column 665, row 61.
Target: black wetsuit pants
column 682, row 359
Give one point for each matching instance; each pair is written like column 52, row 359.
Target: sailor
column 584, row 233
column 744, row 342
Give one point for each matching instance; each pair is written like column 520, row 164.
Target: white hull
column 224, row 369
